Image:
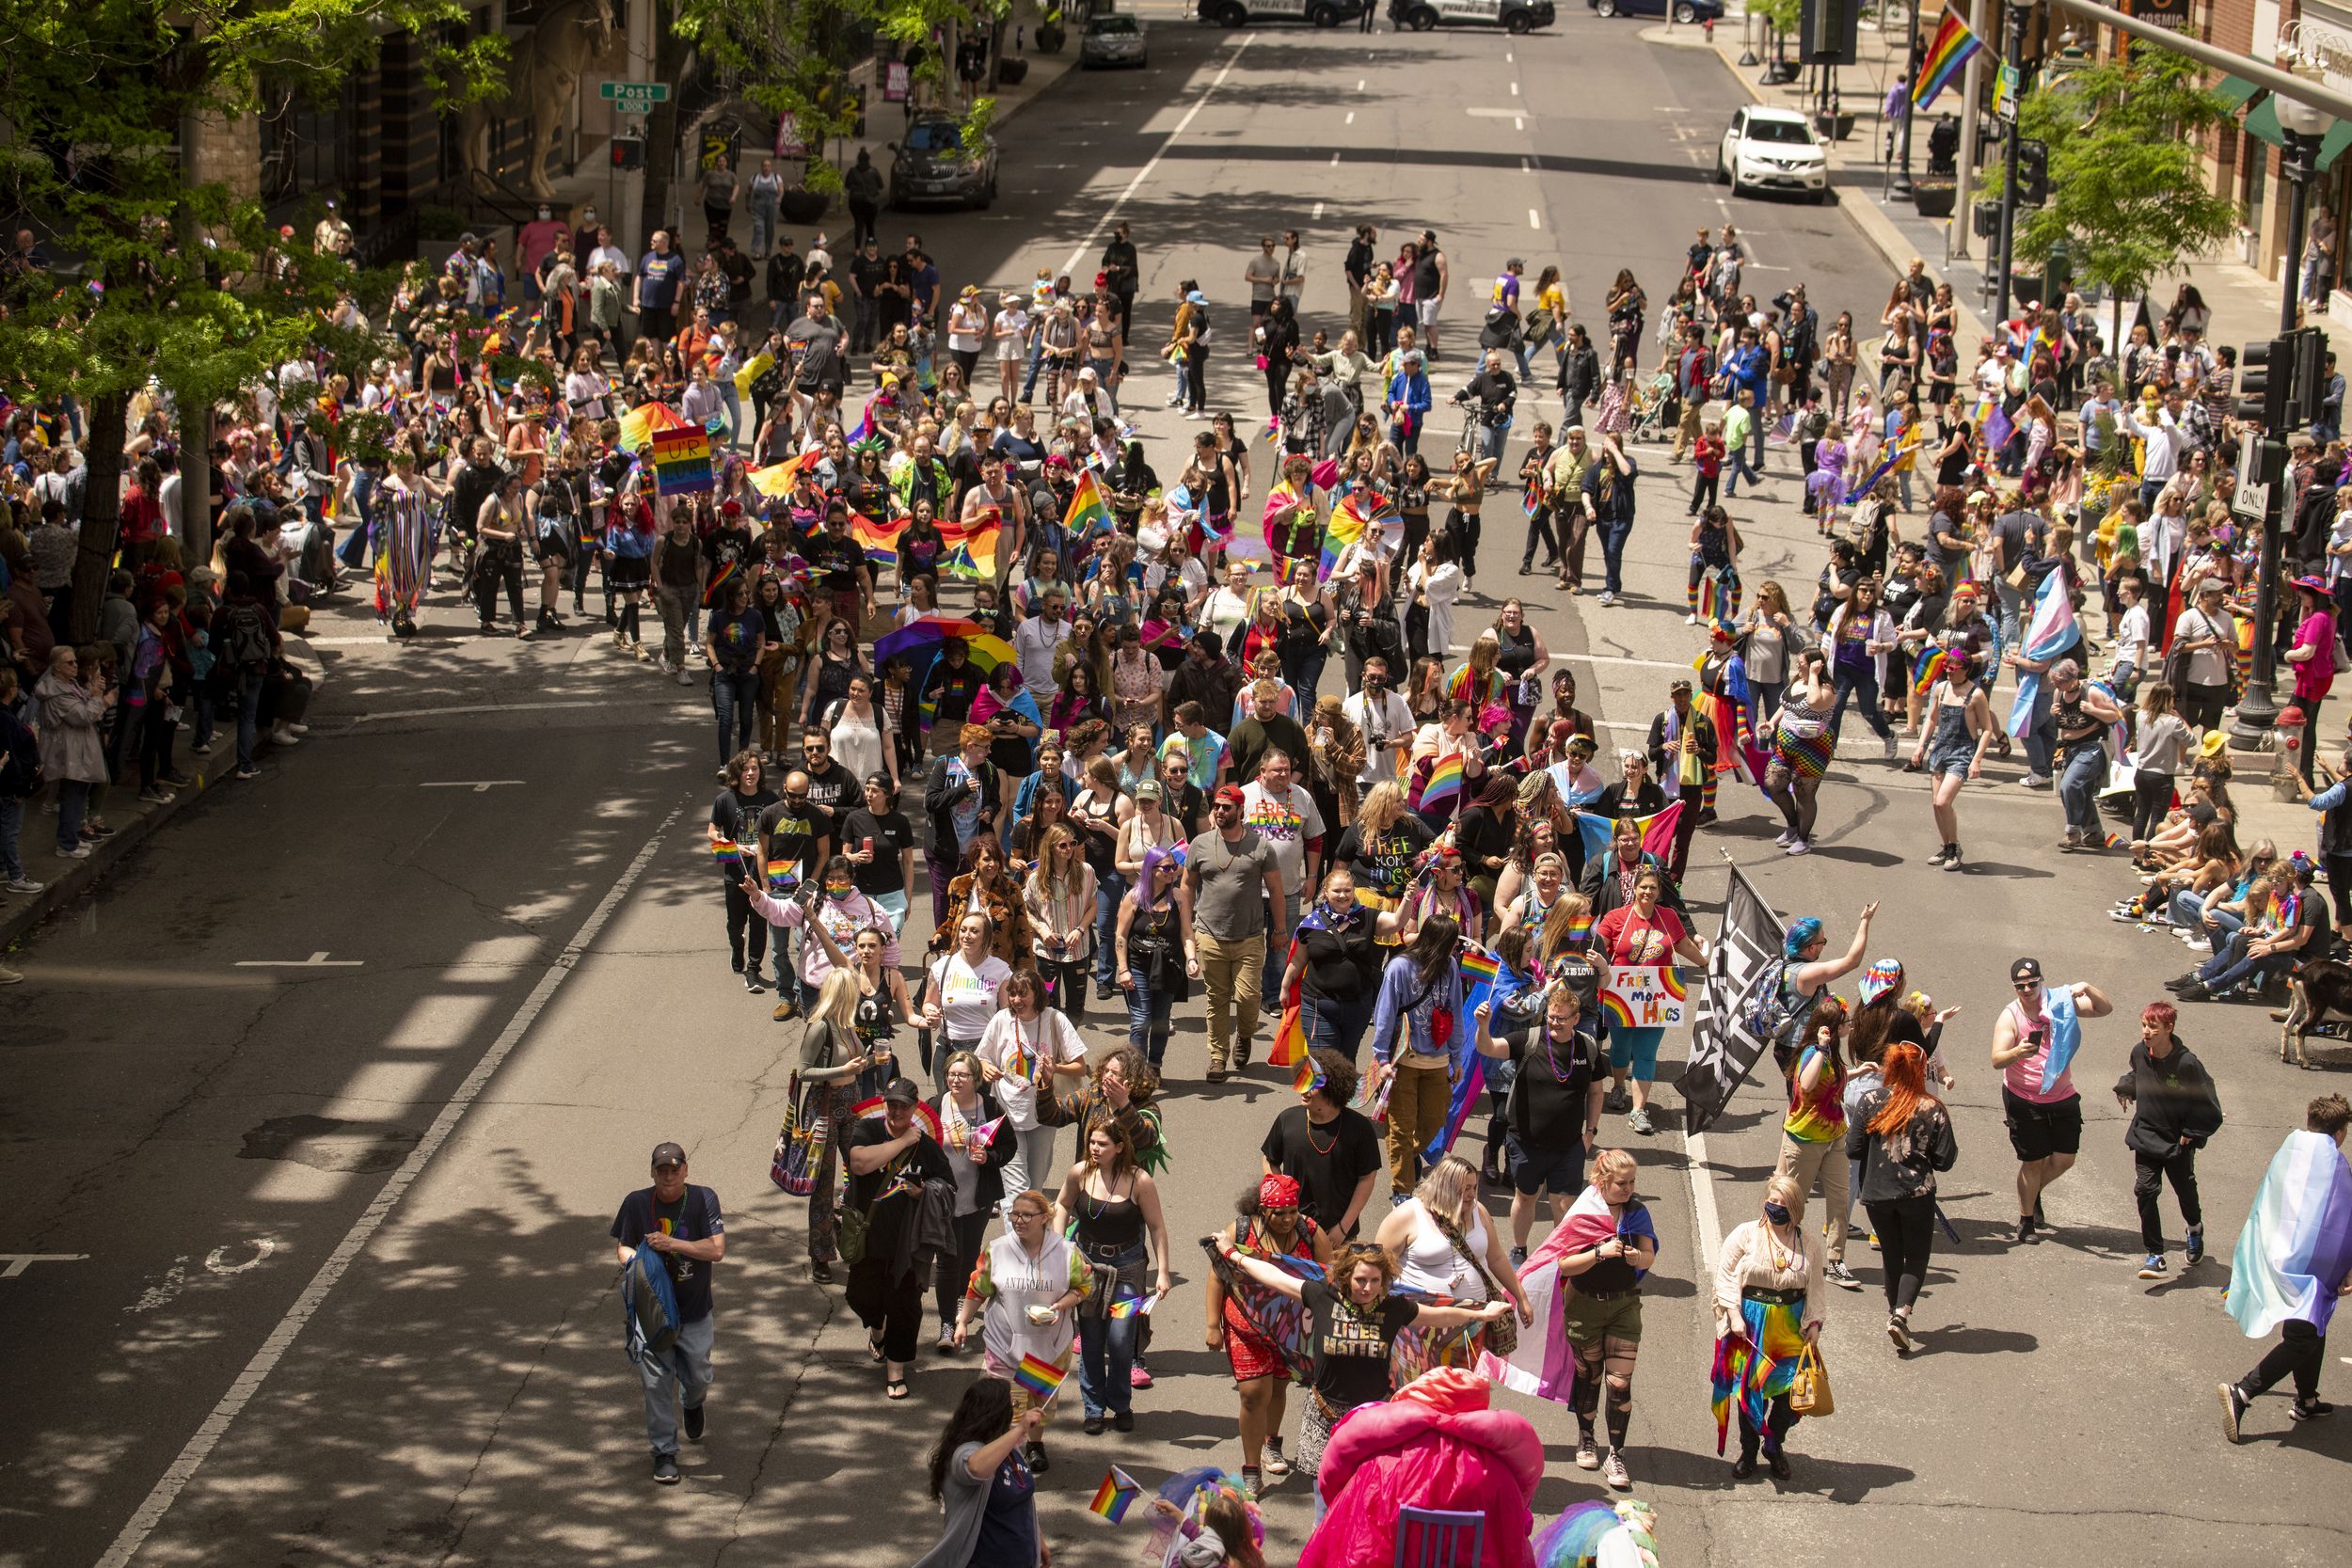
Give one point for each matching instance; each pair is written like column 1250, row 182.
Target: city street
column 319, row 1114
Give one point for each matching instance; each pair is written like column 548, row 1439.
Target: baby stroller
column 1652, row 404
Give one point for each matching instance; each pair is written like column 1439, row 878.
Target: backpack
column 649, row 1310
column 19, row 764
column 1770, row 1011
column 249, row 638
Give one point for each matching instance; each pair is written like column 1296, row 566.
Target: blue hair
column 1801, row 934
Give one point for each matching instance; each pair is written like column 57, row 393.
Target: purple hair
column 1154, row 859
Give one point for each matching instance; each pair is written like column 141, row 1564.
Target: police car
column 1244, row 14
column 1512, row 16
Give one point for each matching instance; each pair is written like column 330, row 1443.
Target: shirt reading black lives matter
column 1351, row 1347
column 695, row 1217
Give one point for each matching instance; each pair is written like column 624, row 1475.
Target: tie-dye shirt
column 1818, row 1116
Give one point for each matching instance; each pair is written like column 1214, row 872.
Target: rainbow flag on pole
column 1038, row 1376
column 1947, row 56
column 642, row 423
column 1444, row 784
column 1116, row 1494
column 1089, row 509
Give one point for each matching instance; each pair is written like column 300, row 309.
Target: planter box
column 1933, row 202
column 1835, row 127
column 797, row 207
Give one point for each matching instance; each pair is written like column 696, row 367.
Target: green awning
column 2262, row 122
column 2234, row 91
column 2339, row 138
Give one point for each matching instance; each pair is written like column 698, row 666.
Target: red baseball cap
column 1228, row 794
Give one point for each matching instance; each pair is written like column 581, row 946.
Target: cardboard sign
column 681, row 461
column 1644, row 996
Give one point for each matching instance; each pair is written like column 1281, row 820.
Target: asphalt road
column 336, row 1287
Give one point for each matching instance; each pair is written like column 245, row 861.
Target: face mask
column 1776, row 1213
column 839, row 890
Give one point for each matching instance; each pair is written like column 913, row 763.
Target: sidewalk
column 135, row 821
column 2245, row 304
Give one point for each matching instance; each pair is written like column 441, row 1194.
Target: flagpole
column 1960, row 227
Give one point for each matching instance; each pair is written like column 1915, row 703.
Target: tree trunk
column 195, row 483
column 102, row 508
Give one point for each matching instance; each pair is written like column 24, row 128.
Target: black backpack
column 19, row 764
column 248, row 642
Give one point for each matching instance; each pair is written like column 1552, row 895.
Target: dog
column 2319, row 997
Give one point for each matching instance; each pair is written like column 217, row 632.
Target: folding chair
column 1446, row 1539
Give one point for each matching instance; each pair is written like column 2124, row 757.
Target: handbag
column 801, row 1142
column 1809, row 1394
column 849, row 1227
column 1503, row 1333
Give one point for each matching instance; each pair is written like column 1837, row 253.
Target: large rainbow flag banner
column 681, row 461
column 971, row 548
column 775, row 481
column 880, row 541
column 2297, row 1245
column 1945, row 60
column 1089, row 510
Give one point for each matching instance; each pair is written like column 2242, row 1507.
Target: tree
column 172, row 286
column 2127, row 193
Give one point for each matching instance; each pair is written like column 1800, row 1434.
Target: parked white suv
column 1773, row 150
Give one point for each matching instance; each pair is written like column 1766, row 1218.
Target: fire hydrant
column 1707, row 27
column 2286, row 758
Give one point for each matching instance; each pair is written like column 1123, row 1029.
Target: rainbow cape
column 1658, row 833
column 1089, row 510
column 2296, row 1246
column 1945, row 58
column 1352, row 516
column 1543, row 1365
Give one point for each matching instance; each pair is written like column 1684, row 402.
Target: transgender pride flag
column 2296, row 1246
column 2049, row 630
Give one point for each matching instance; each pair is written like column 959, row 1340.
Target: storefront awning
column 2339, row 138
column 2262, row 122
column 2234, row 91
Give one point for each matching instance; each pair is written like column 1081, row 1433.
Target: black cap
column 901, row 1091
column 2025, row 969
column 668, row 1154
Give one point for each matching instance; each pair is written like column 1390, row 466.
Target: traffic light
column 2307, row 388
column 2265, row 374
column 628, row 152
column 2033, row 173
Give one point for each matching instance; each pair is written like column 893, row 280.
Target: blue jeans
column 684, row 1368
column 2182, row 911
column 73, row 800
column 1755, row 425
column 11, row 826
column 1335, row 1022
column 1148, row 1013
column 1037, row 362
column 1736, row 460
column 2083, row 768
column 1106, row 1346
column 1613, row 538
column 2230, row 965
column 1861, row 677
column 734, row 697
column 1280, row 923
column 763, row 226
column 249, row 716
column 1109, row 890
column 2012, row 602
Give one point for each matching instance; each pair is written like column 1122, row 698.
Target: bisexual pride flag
column 1543, row 1365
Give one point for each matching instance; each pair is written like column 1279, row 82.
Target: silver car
column 1113, row 37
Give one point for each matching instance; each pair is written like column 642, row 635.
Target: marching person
column 2174, row 1109
column 1768, row 1307
column 1269, row 1225
column 2033, row 1045
column 683, row 1224
column 892, row 1159
column 2293, row 1263
column 1902, row 1135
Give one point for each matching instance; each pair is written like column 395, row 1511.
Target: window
column 934, row 136
column 1786, row 133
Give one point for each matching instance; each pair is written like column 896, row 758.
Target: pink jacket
column 1436, row 1445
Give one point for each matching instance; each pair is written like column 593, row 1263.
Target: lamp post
column 2014, row 52
column 1911, row 83
column 2302, row 128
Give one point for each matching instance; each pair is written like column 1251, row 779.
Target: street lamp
column 1910, row 86
column 2014, row 51
column 2302, row 128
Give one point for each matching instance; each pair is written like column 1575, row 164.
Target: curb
column 143, row 822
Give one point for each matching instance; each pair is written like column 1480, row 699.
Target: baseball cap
column 1680, row 683
column 901, row 1091
column 1229, row 795
column 1147, row 790
column 668, row 1154
column 2025, row 969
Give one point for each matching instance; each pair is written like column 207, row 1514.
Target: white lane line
column 1103, row 221
column 1360, row 84
column 1703, row 1199
column 479, row 786
column 1351, row 118
column 1515, row 89
column 316, row 961
column 1526, row 165
column 1518, row 123
column 175, row 1480
column 1509, row 58
column 1532, row 221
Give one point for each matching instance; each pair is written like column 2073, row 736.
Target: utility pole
column 1959, row 229
column 2014, row 81
column 1911, row 85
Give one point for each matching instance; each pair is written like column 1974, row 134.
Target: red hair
column 2162, row 1014
column 1904, row 1071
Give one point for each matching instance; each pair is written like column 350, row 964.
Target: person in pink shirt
column 2043, row 1111
column 2314, row 659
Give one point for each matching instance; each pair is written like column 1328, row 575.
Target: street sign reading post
column 634, row 98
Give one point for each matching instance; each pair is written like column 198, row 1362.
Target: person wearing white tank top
column 1427, row 1258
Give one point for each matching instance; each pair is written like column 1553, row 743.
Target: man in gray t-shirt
column 1228, row 871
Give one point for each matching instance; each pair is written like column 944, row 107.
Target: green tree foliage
column 165, row 283
column 2127, row 191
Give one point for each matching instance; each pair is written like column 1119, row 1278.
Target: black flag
column 1723, row 1049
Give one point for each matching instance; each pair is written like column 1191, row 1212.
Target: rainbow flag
column 1130, row 1305
column 2298, row 1240
column 1479, row 966
column 1930, row 670
column 726, row 848
column 775, row 481
column 1443, row 785
column 1580, row 928
column 715, row 591
column 642, row 423
column 880, row 541
column 1116, row 1494
column 1040, row 1377
column 1290, row 1038
column 1947, row 56
column 971, row 548
column 1089, row 509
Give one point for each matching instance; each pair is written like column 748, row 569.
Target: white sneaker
column 26, row 884
column 79, row 852
column 1691, row 619
column 685, row 679
column 284, row 737
column 299, row 729
column 1890, row 748
column 1607, row 597
column 9, row 976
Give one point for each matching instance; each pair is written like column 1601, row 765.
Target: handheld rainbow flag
column 1290, row 1038
column 642, row 423
column 1038, row 1376
column 1089, row 509
column 1580, row 928
column 971, row 548
column 726, row 848
column 1116, row 1494
column 1947, row 56
column 1444, row 784
column 1137, row 1305
column 775, row 481
column 1479, row 966
column 1932, row 671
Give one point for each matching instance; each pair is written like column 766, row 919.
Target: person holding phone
column 2044, row 1112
